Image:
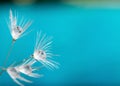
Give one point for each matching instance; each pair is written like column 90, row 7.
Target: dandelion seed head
column 13, row 72
column 26, row 69
column 15, row 75
column 40, row 55
column 18, row 28
column 16, row 32
column 42, row 51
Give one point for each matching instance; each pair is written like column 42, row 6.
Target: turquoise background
column 87, row 40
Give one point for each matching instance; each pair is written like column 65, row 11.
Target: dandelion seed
column 15, row 75
column 42, row 51
column 17, row 29
column 27, row 69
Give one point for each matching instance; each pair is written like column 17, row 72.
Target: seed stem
column 8, row 55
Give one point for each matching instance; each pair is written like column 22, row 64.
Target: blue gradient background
column 87, row 40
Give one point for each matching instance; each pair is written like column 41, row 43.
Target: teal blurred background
column 87, row 40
